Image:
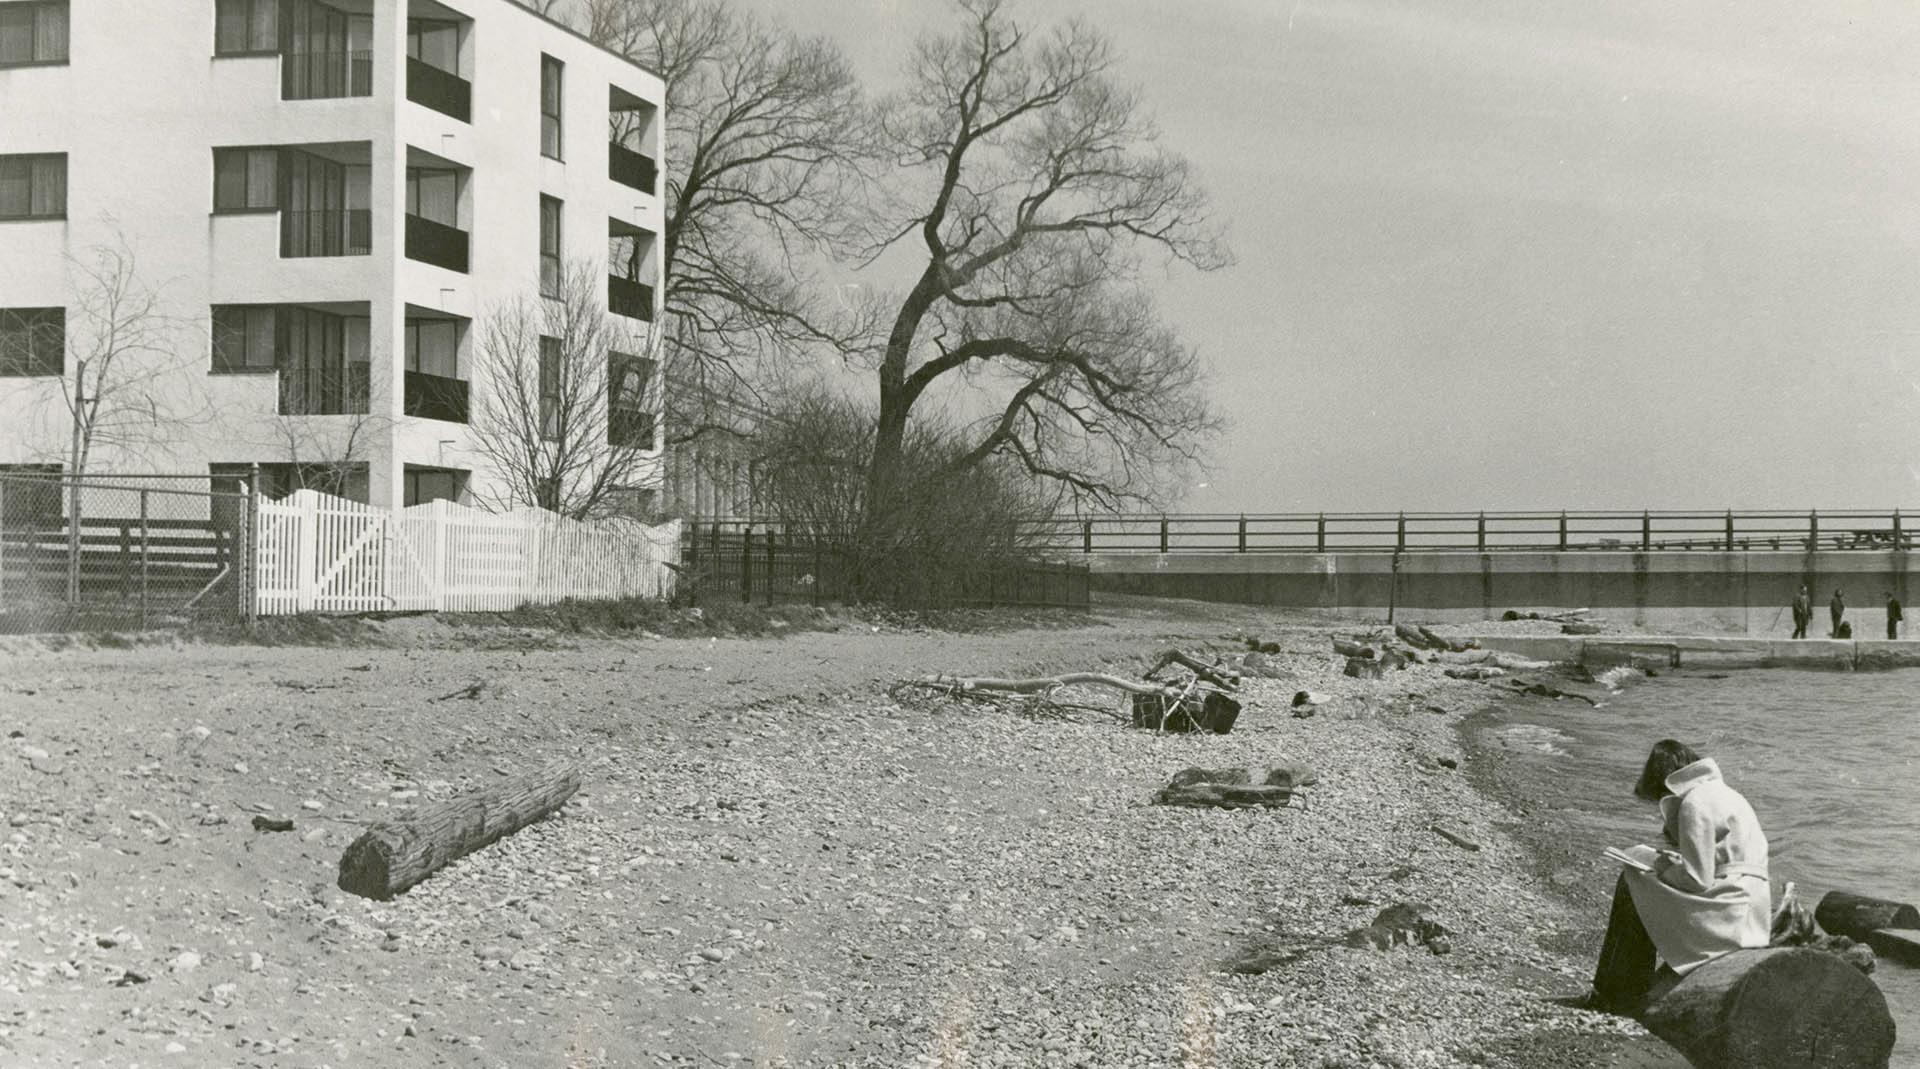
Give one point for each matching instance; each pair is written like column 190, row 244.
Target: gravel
column 773, row 862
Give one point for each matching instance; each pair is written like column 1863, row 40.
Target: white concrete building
column 329, row 198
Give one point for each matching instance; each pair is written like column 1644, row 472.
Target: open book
column 1639, row 857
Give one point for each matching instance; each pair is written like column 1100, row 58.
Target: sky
column 1505, row 254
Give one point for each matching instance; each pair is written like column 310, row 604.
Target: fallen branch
column 1213, row 674
column 966, row 684
column 1455, row 838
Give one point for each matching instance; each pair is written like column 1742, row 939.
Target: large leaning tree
column 767, row 139
column 1032, row 189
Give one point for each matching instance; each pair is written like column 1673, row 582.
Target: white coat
column 1712, row 897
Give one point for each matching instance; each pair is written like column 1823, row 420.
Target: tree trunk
column 1784, row 1007
column 389, row 858
column 1857, row 916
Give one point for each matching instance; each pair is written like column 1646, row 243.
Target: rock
column 1401, row 924
column 1308, row 697
column 255, row 962
column 241, row 767
column 1224, row 796
column 713, row 954
column 1291, row 774
column 261, row 823
column 311, row 805
column 1475, row 671
column 186, row 961
column 1189, row 776
column 34, row 753
column 1364, row 668
column 1262, row 956
column 492, row 953
column 1303, row 712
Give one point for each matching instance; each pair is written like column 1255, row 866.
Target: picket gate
column 318, row 553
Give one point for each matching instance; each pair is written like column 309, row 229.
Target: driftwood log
column 388, row 858
column 1782, row 1007
column 1858, row 916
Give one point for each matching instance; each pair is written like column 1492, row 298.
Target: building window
column 629, row 415
column 434, row 195
column 433, row 484
column 435, row 42
column 33, row 33
column 550, row 69
column 244, row 338
column 246, row 180
column 345, row 478
column 433, row 347
column 549, row 247
column 33, row 341
column 246, row 27
column 30, row 497
column 33, row 187
column 550, row 398
column 323, row 364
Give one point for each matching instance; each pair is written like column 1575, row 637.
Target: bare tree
column 1034, row 187
column 768, row 137
column 566, row 416
column 332, row 455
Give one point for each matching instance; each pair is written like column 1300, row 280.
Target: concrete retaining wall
column 1738, row 591
column 1709, row 651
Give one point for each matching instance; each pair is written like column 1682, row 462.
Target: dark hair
column 1668, row 756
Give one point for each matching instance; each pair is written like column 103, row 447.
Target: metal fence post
column 1480, row 533
column 1320, row 534
column 819, row 570
column 770, row 562
column 250, row 585
column 1813, row 530
column 1729, row 530
column 1646, row 531
column 1896, row 530
column 1399, row 542
column 143, row 559
column 1563, row 532
column 1243, row 532
column 1163, row 533
column 746, row 566
column 1086, row 536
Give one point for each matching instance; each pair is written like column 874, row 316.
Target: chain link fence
column 102, row 553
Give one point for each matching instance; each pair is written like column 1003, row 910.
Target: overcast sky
column 1534, row 253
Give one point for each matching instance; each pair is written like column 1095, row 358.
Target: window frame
column 413, row 332
column 33, row 323
column 551, row 371
column 620, row 366
column 248, row 334
column 552, row 263
column 34, row 10
column 249, row 154
column 252, row 26
column 412, row 475
column 28, row 160
column 555, row 116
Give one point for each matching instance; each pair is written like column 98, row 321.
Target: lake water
column 1828, row 759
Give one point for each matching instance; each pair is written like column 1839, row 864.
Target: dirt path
column 773, row 863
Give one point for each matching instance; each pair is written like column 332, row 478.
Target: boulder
column 1291, row 774
column 1188, row 776
column 1364, row 668
column 1224, row 796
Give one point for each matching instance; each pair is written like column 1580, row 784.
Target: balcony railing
column 325, row 75
column 629, row 298
column 327, row 232
column 436, row 397
column 443, row 91
column 630, row 168
column 630, row 428
column 436, row 243
column 340, row 390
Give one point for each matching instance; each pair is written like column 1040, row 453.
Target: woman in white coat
column 1707, row 894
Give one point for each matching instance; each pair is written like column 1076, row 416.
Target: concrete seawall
column 1742, row 591
column 1710, row 651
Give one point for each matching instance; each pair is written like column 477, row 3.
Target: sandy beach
column 772, row 862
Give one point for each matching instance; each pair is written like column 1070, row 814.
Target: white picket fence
column 317, row 553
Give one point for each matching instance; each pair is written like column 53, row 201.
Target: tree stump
column 1782, row 1007
column 1215, row 713
column 1858, row 916
column 388, row 858
column 1364, row 668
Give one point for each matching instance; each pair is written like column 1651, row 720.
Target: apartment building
column 328, row 200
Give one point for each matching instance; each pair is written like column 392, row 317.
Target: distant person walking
column 1802, row 613
column 1894, row 616
column 1837, row 608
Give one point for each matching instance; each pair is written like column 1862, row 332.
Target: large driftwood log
column 391, row 857
column 1042, row 684
column 1783, row 1007
column 1858, row 916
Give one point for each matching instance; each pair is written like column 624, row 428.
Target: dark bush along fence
column 733, row 561
column 1484, row 532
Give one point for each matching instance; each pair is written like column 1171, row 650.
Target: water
column 1828, row 760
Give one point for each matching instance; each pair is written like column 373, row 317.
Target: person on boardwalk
column 1802, row 613
column 1705, row 891
column 1837, row 608
column 1894, row 616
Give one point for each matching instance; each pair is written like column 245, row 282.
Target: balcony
column 443, row 91
column 630, row 168
column 327, row 232
column 325, row 75
column 342, row 390
column 436, row 397
column 629, row 298
column 436, row 243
